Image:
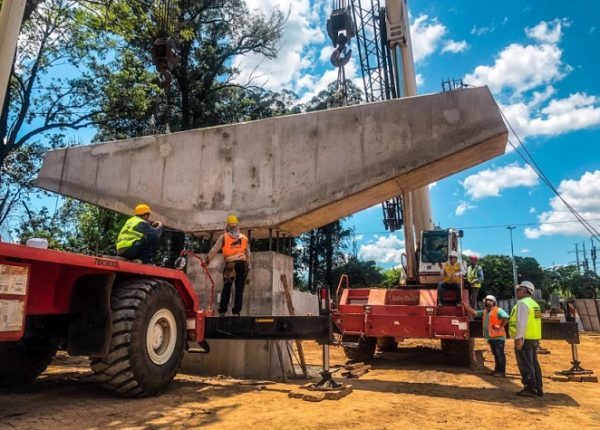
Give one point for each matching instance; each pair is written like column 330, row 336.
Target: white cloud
column 420, row 80
column 490, row 182
column 432, row 185
column 547, row 32
column 471, row 252
column 532, row 210
column 386, row 249
column 462, row 207
column 315, row 84
column 525, row 251
column 455, row 47
column 480, row 31
column 301, row 30
column 575, row 112
column 426, row 36
column 582, row 194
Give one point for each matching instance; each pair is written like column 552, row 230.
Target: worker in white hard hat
column 236, row 253
column 452, row 278
column 494, row 321
column 525, row 327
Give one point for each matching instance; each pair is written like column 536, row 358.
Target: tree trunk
column 311, row 244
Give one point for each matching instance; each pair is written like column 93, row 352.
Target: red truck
column 134, row 321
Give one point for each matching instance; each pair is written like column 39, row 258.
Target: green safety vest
column 472, row 275
column 128, row 236
column 534, row 320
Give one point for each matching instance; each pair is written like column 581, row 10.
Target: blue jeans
column 497, row 347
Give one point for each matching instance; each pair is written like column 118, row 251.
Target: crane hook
column 340, row 56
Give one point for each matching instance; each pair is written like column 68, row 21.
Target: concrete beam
column 292, row 173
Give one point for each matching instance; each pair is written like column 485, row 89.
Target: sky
column 538, row 60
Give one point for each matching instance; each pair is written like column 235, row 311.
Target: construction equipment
column 134, row 321
column 371, row 318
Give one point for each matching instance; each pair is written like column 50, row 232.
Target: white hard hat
column 526, row 284
column 490, row 297
column 453, row 254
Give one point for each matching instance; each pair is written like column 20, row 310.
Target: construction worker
column 139, row 239
column 453, row 273
column 474, row 280
column 236, row 253
column 525, row 327
column 494, row 321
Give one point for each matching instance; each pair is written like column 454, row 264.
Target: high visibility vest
column 494, row 320
column 534, row 320
column 450, row 272
column 234, row 248
column 472, row 274
column 128, row 236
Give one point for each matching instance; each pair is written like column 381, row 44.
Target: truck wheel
column 387, row 344
column 24, row 360
column 364, row 351
column 148, row 338
column 458, row 352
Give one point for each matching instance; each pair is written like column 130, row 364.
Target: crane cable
column 530, row 161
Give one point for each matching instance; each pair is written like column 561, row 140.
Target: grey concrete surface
column 291, row 173
column 263, row 295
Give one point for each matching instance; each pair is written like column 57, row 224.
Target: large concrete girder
column 292, row 173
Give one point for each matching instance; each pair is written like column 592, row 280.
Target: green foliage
column 361, row 273
column 568, row 281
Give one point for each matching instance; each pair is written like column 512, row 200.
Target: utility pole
column 512, row 255
column 585, row 264
column 593, row 253
column 577, row 256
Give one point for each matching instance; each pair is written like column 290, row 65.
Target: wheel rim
column 161, row 336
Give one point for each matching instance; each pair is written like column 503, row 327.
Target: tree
column 38, row 104
column 568, row 281
column 498, row 277
column 361, row 274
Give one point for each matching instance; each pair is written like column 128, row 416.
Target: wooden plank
column 590, row 305
column 290, row 306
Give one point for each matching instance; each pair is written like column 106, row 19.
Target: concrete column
column 263, row 295
column 11, row 16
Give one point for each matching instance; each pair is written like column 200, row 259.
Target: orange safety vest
column 234, row 249
column 494, row 320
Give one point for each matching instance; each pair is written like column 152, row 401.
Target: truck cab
column 435, row 246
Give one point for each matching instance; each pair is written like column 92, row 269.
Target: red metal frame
column 53, row 275
column 410, row 312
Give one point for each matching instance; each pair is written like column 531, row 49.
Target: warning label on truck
column 13, row 279
column 11, row 315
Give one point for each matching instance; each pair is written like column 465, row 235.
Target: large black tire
column 365, row 350
column 24, row 361
column 387, row 344
column 458, row 352
column 148, row 339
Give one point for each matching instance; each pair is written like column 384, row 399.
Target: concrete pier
column 263, row 296
column 292, row 173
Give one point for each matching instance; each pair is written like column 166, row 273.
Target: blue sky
column 538, row 59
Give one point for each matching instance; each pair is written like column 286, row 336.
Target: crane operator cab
column 435, row 248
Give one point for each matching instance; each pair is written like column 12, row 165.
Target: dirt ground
column 406, row 389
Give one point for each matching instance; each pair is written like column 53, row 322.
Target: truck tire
column 24, row 361
column 148, row 339
column 364, row 351
column 458, row 352
column 387, row 344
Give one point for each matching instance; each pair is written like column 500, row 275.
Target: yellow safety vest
column 472, row 275
column 128, row 236
column 450, row 272
column 534, row 320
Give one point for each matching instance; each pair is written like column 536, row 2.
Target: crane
column 386, row 62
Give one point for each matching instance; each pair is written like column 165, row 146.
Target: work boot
column 236, row 315
column 526, row 392
column 221, row 314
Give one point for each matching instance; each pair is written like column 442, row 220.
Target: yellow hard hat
column 232, row 220
column 142, row 209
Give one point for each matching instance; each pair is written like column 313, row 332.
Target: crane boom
column 11, row 16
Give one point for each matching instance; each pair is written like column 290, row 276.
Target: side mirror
column 461, row 233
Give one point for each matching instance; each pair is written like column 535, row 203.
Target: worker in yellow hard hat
column 452, row 280
column 139, row 238
column 236, row 253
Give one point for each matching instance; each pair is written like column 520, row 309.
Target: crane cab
column 435, row 247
